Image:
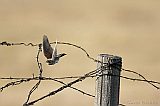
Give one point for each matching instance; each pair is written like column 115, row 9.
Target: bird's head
column 61, row 55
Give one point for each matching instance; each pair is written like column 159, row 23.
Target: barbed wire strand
column 141, row 77
column 17, row 82
column 21, row 80
column 66, row 77
column 66, row 43
column 40, row 75
column 79, row 47
column 54, row 79
column 5, row 43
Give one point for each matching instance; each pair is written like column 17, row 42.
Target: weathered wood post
column 108, row 80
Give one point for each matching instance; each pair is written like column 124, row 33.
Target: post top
column 111, row 59
column 109, row 56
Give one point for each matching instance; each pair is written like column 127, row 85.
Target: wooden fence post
column 108, row 84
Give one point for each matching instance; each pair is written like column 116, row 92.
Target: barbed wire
column 40, row 75
column 151, row 83
column 5, row 43
column 21, row 80
column 78, row 78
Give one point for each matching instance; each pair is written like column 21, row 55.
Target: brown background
column 127, row 28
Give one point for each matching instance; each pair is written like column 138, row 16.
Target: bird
column 50, row 53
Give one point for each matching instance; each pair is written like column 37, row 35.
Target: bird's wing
column 47, row 49
column 54, row 51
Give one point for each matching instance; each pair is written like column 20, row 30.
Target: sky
column 125, row 28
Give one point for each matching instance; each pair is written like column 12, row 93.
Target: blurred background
column 126, row 28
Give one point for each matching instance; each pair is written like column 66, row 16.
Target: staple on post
column 108, row 80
